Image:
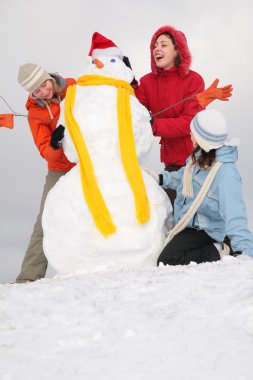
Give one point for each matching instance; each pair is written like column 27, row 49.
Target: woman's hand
column 57, row 137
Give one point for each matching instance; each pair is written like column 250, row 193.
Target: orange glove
column 211, row 93
column 6, row 120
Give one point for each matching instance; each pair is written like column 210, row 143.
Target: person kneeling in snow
column 209, row 203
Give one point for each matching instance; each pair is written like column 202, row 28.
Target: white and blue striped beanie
column 209, row 129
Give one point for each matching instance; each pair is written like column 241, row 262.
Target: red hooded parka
column 162, row 88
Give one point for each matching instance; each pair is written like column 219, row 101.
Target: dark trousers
column 170, row 192
column 189, row 245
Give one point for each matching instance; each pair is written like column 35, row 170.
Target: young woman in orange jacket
column 46, row 91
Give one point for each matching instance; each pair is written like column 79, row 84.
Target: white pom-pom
column 234, row 141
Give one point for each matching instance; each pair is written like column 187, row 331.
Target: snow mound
column 180, row 323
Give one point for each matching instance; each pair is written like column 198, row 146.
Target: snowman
column 106, row 212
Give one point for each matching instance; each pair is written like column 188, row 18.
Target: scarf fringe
column 187, row 180
column 143, row 211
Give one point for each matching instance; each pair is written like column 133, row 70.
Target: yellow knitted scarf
column 92, row 193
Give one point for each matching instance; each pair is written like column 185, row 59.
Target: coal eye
column 113, row 60
column 92, row 61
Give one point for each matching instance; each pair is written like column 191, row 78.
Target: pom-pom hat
column 102, row 46
column 209, row 129
column 31, row 76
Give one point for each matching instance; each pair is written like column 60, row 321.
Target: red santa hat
column 102, row 46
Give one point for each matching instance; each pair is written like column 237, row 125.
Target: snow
column 182, row 323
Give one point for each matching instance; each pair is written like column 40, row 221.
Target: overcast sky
column 57, row 33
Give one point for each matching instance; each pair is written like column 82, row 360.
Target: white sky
column 56, row 34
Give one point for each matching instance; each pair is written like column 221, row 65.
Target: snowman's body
column 71, row 239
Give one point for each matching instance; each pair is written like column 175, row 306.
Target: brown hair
column 177, row 60
column 57, row 90
column 205, row 159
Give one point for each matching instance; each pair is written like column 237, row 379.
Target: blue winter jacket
column 223, row 210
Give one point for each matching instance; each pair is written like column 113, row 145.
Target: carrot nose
column 98, row 63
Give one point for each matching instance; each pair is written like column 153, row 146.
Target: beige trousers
column 34, row 265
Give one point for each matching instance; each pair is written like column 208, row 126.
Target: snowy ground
column 179, row 323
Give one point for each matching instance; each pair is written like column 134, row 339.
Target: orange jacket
column 45, row 124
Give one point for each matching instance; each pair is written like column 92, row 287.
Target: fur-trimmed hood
column 182, row 47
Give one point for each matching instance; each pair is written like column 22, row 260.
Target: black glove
column 128, row 64
column 151, row 120
column 57, row 137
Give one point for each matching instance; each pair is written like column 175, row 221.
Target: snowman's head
column 109, row 66
column 106, row 59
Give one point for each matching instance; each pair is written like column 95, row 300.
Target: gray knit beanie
column 31, row 76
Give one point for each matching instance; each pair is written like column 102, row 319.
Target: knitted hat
column 209, row 129
column 102, row 46
column 31, row 76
